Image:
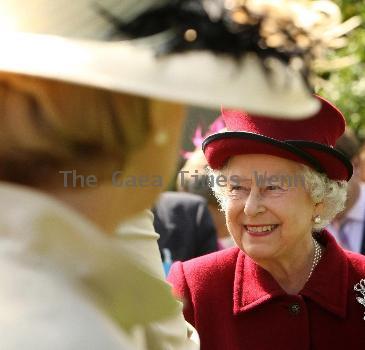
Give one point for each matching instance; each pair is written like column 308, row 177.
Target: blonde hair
column 47, row 126
column 331, row 193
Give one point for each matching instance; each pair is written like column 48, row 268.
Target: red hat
column 308, row 141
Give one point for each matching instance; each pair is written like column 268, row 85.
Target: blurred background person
column 193, row 178
column 348, row 227
column 185, row 227
column 362, row 162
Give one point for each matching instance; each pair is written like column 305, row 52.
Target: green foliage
column 346, row 87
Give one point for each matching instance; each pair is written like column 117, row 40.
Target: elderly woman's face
column 269, row 211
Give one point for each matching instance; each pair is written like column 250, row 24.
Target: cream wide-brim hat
column 63, row 40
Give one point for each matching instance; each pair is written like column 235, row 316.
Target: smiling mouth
column 260, row 230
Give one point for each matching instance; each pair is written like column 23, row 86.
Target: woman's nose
column 253, row 204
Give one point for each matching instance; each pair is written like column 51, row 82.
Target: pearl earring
column 317, row 219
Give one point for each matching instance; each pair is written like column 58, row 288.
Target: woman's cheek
column 232, row 220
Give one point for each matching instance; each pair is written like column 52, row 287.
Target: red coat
column 235, row 305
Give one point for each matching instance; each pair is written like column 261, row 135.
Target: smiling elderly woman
column 287, row 284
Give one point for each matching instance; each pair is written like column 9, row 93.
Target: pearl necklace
column 316, row 258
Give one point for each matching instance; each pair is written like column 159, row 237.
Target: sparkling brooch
column 360, row 287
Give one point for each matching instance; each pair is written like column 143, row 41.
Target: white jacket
column 65, row 285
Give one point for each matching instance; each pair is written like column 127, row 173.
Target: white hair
column 331, row 193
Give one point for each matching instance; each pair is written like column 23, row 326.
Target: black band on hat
column 323, row 148
column 265, row 139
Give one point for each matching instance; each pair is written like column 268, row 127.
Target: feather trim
column 296, row 32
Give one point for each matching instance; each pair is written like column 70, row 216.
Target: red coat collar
column 327, row 286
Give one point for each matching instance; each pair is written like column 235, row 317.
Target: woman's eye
column 274, row 189
column 235, row 191
column 240, row 188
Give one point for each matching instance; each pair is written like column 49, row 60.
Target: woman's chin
column 257, row 251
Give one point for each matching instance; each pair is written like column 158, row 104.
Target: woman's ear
column 156, row 160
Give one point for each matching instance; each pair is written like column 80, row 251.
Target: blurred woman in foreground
column 60, row 258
